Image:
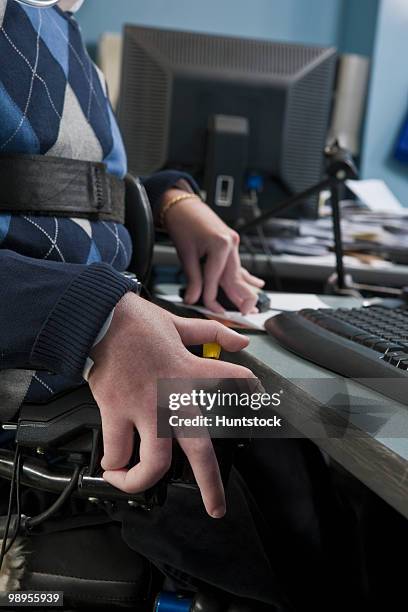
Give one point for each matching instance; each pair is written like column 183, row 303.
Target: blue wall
column 348, row 24
column 377, row 28
column 357, row 27
column 309, row 21
column 388, row 99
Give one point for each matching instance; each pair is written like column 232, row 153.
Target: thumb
column 117, row 442
column 200, row 331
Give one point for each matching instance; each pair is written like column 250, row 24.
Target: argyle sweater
column 59, row 277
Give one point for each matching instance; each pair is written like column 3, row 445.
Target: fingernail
column 218, row 512
column 217, row 310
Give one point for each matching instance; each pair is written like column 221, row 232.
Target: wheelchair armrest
column 140, row 225
column 59, row 421
column 66, row 432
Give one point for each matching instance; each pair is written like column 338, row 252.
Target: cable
column 4, row 547
column 269, row 255
column 246, row 239
column 254, row 251
column 40, row 518
column 18, row 506
column 249, row 249
column 34, row 521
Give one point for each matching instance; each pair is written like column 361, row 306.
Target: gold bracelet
column 171, row 203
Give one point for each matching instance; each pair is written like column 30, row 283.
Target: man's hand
column 197, row 232
column 144, row 344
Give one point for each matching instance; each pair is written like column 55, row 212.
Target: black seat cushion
column 92, row 566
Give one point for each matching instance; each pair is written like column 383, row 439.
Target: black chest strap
column 41, row 185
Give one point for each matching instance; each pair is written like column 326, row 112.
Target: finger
column 252, row 280
column 155, row 460
column 200, row 331
column 201, row 456
column 248, row 306
column 192, row 270
column 248, row 297
column 253, row 311
column 213, row 270
column 239, row 292
column 233, row 295
column 117, row 442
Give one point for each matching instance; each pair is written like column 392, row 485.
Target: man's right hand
column 144, row 344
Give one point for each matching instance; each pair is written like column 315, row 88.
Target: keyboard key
column 387, row 347
column 395, row 358
column 370, row 341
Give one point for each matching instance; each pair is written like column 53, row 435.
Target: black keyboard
column 369, row 344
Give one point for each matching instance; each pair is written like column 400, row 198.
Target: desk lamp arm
column 339, row 168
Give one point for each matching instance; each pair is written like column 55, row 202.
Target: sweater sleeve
column 51, row 312
column 159, row 182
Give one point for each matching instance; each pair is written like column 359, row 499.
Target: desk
column 377, row 460
column 303, row 268
column 380, row 462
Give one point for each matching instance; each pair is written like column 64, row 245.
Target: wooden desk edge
column 379, row 468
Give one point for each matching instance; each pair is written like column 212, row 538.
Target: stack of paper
column 376, row 195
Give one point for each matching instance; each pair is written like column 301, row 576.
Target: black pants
column 285, row 540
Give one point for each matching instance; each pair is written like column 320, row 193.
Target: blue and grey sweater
column 59, row 277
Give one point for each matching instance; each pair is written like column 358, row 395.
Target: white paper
column 291, row 302
column 375, row 194
column 281, row 302
column 329, row 260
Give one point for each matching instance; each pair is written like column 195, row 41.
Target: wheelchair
column 55, row 473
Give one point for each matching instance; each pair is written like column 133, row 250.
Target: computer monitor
column 240, row 115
